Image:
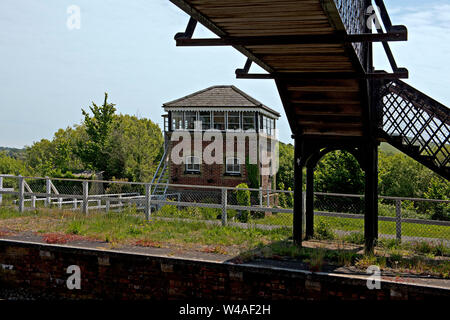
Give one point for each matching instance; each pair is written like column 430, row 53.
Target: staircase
column 161, row 176
column 415, row 124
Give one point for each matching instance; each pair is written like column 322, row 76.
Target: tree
column 339, row 172
column 9, row 165
column 93, row 152
column 285, row 174
column 135, row 147
column 56, row 157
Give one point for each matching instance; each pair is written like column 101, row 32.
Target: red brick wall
column 42, row 270
column 210, row 175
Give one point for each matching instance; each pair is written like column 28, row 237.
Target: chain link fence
column 406, row 219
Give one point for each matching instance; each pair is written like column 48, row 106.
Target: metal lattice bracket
column 417, row 124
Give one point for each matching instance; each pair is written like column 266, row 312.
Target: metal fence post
column 148, row 195
column 398, row 219
column 224, row 207
column 85, row 196
column 74, row 202
column 107, row 205
column 260, row 196
column 21, row 193
column 268, row 196
column 48, row 191
column 1, row 187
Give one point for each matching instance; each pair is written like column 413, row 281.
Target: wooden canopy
column 319, row 83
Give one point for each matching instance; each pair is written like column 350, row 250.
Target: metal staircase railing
column 415, row 124
column 161, row 175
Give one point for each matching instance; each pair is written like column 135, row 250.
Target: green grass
column 130, row 227
column 347, row 224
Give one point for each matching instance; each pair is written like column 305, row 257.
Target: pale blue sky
column 48, row 73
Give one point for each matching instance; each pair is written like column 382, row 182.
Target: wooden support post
column 224, row 207
column 298, row 194
column 85, row 204
column 309, row 202
column 398, row 220
column 21, row 194
column 371, row 197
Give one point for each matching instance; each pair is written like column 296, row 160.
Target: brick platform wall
column 113, row 275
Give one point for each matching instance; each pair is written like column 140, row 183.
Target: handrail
column 159, row 165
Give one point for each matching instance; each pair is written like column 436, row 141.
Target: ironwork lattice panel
column 422, row 124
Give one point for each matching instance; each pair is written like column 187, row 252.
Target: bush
column 243, row 199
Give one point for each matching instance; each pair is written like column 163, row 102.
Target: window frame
column 224, row 120
column 190, row 163
column 248, row 115
column 234, row 114
column 210, row 119
column 233, row 172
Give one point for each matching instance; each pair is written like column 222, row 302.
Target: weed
column 323, row 231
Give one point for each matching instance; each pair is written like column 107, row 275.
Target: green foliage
column 93, row 152
column 134, row 148
column 402, row 176
column 282, row 201
column 9, row 165
column 253, row 174
column 243, row 199
column 323, row 231
column 55, row 157
column 355, row 237
column 285, row 174
column 339, row 171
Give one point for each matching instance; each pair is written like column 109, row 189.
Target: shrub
column 243, row 199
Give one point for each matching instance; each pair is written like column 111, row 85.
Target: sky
column 49, row 72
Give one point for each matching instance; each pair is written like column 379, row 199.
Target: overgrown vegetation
column 130, row 228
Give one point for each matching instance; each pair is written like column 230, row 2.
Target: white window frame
column 210, row 119
column 233, row 164
column 192, row 164
column 213, row 122
column 246, row 115
column 234, row 115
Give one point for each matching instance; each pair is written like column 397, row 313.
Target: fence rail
column 267, row 207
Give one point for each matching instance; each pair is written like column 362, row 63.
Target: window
column 248, row 121
column 192, row 164
column 219, row 120
column 232, row 166
column 234, row 122
column 177, row 120
column 205, row 118
column 189, row 119
column 267, row 125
